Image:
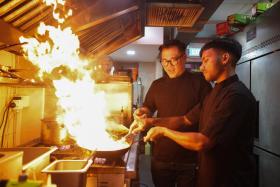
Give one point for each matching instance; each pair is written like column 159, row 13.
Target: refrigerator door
column 243, row 72
column 265, row 86
column 268, row 169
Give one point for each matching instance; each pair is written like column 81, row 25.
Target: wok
column 113, row 154
column 117, row 153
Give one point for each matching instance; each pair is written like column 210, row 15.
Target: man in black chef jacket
column 172, row 95
column 226, row 118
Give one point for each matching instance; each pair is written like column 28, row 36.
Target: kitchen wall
column 23, row 125
column 147, row 71
column 159, row 69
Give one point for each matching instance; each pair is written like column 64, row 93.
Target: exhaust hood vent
column 173, row 15
column 111, row 35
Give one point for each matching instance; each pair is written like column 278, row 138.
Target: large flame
column 60, row 18
column 82, row 107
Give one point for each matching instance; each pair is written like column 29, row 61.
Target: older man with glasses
column 173, row 95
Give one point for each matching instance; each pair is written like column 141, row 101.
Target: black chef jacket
column 227, row 117
column 175, row 97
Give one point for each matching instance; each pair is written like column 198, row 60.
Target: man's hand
column 140, row 113
column 133, row 127
column 155, row 133
column 140, row 125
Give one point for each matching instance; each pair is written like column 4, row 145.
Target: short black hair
column 173, row 43
column 226, row 44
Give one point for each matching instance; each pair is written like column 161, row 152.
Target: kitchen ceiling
column 146, row 48
column 143, row 53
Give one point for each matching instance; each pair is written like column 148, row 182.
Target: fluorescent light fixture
column 194, row 52
column 130, row 52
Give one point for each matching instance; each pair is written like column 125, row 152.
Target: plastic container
column 34, row 159
column 68, row 173
column 10, row 164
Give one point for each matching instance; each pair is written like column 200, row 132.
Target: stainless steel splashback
column 119, row 100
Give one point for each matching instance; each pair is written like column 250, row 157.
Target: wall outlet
column 25, row 101
column 21, row 102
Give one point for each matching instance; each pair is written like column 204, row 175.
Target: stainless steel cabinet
column 243, row 72
column 268, row 169
column 265, row 85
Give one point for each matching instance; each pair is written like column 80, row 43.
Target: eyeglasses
column 173, row 61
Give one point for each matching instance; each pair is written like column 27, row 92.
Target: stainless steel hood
column 102, row 26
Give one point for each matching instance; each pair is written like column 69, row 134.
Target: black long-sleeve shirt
column 175, row 97
column 227, row 118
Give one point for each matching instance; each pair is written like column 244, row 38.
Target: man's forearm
column 193, row 141
column 170, row 122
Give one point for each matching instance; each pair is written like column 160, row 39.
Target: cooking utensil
column 3, row 47
column 112, row 154
column 118, row 153
column 11, row 74
column 90, row 158
column 130, row 136
column 137, row 141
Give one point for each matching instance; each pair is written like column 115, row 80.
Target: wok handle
column 90, row 158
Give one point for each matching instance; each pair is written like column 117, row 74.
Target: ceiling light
column 194, row 51
column 130, row 52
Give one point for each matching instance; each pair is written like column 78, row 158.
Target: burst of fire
column 82, row 107
column 60, row 18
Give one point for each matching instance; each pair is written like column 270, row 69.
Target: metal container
column 53, row 133
column 68, row 173
column 119, row 99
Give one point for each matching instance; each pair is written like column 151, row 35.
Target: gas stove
column 104, row 172
column 107, row 173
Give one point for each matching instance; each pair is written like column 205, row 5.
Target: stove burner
column 99, row 161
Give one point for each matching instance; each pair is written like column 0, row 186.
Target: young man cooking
column 226, row 118
column 173, row 95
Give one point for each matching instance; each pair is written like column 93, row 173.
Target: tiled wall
column 23, row 125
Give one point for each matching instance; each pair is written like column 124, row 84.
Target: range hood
column 102, row 26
